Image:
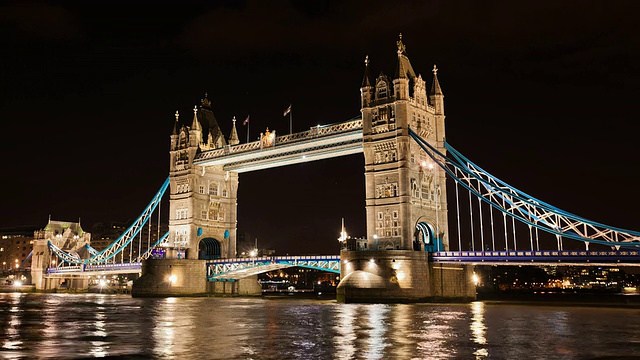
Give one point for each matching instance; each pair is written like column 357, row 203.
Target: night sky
column 541, row 94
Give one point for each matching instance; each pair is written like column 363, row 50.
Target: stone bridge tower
column 403, row 185
column 203, row 200
column 406, row 204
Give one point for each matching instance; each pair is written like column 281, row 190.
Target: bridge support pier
column 401, row 276
column 248, row 286
column 171, row 277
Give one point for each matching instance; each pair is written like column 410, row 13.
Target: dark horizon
column 540, row 95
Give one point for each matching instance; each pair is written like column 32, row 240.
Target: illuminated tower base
column 401, row 276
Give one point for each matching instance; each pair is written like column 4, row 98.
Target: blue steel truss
column 121, row 242
column 232, row 269
column 523, row 207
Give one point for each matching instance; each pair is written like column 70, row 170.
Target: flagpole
column 248, row 129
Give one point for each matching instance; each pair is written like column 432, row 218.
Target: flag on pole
column 246, row 121
column 287, row 111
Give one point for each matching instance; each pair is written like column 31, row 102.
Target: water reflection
column 55, row 326
column 478, row 329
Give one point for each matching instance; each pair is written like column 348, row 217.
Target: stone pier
column 184, row 277
column 394, row 276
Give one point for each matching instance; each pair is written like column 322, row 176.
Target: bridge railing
column 542, row 253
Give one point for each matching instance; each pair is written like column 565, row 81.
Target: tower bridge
column 418, row 247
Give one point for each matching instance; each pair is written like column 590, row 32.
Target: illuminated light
column 475, row 279
column 253, row 253
column 395, row 266
column 400, row 275
column 173, row 278
column 424, row 164
column 430, row 166
column 375, row 236
column 304, row 157
column 319, row 282
column 372, row 261
column 102, row 283
column 17, row 283
column 346, row 261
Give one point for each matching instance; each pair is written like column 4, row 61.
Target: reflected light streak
column 378, row 325
column 345, row 339
column 435, row 334
column 13, row 342
column 478, row 329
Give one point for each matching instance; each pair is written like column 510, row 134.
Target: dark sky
column 541, row 94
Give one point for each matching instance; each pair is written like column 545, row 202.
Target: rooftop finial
column 195, row 109
column 435, row 70
column 234, row 120
column 177, row 115
column 366, row 60
column 401, row 47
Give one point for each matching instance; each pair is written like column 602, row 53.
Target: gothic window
column 224, row 192
column 204, row 214
column 395, row 216
column 383, row 113
column 382, row 90
column 213, row 188
column 201, row 189
column 413, row 159
column 414, row 188
column 394, row 156
column 379, row 215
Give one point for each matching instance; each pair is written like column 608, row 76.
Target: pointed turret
column 436, row 97
column 195, row 124
column 404, row 68
column 233, row 139
column 196, row 129
column 404, row 73
column 174, row 134
column 175, row 124
column 365, row 80
column 435, row 87
column 210, row 124
column 366, row 90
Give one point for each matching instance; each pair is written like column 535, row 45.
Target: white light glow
column 173, row 278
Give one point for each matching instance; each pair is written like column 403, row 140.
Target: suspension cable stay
column 523, row 207
column 121, row 243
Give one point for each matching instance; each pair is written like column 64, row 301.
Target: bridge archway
column 425, row 236
column 209, row 249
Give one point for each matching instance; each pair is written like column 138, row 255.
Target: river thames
column 77, row 326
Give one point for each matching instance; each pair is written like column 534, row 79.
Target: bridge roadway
column 233, row 269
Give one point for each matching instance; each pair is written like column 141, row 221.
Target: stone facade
column 376, row 276
column 403, row 185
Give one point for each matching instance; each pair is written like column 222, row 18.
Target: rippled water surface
column 74, row 326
